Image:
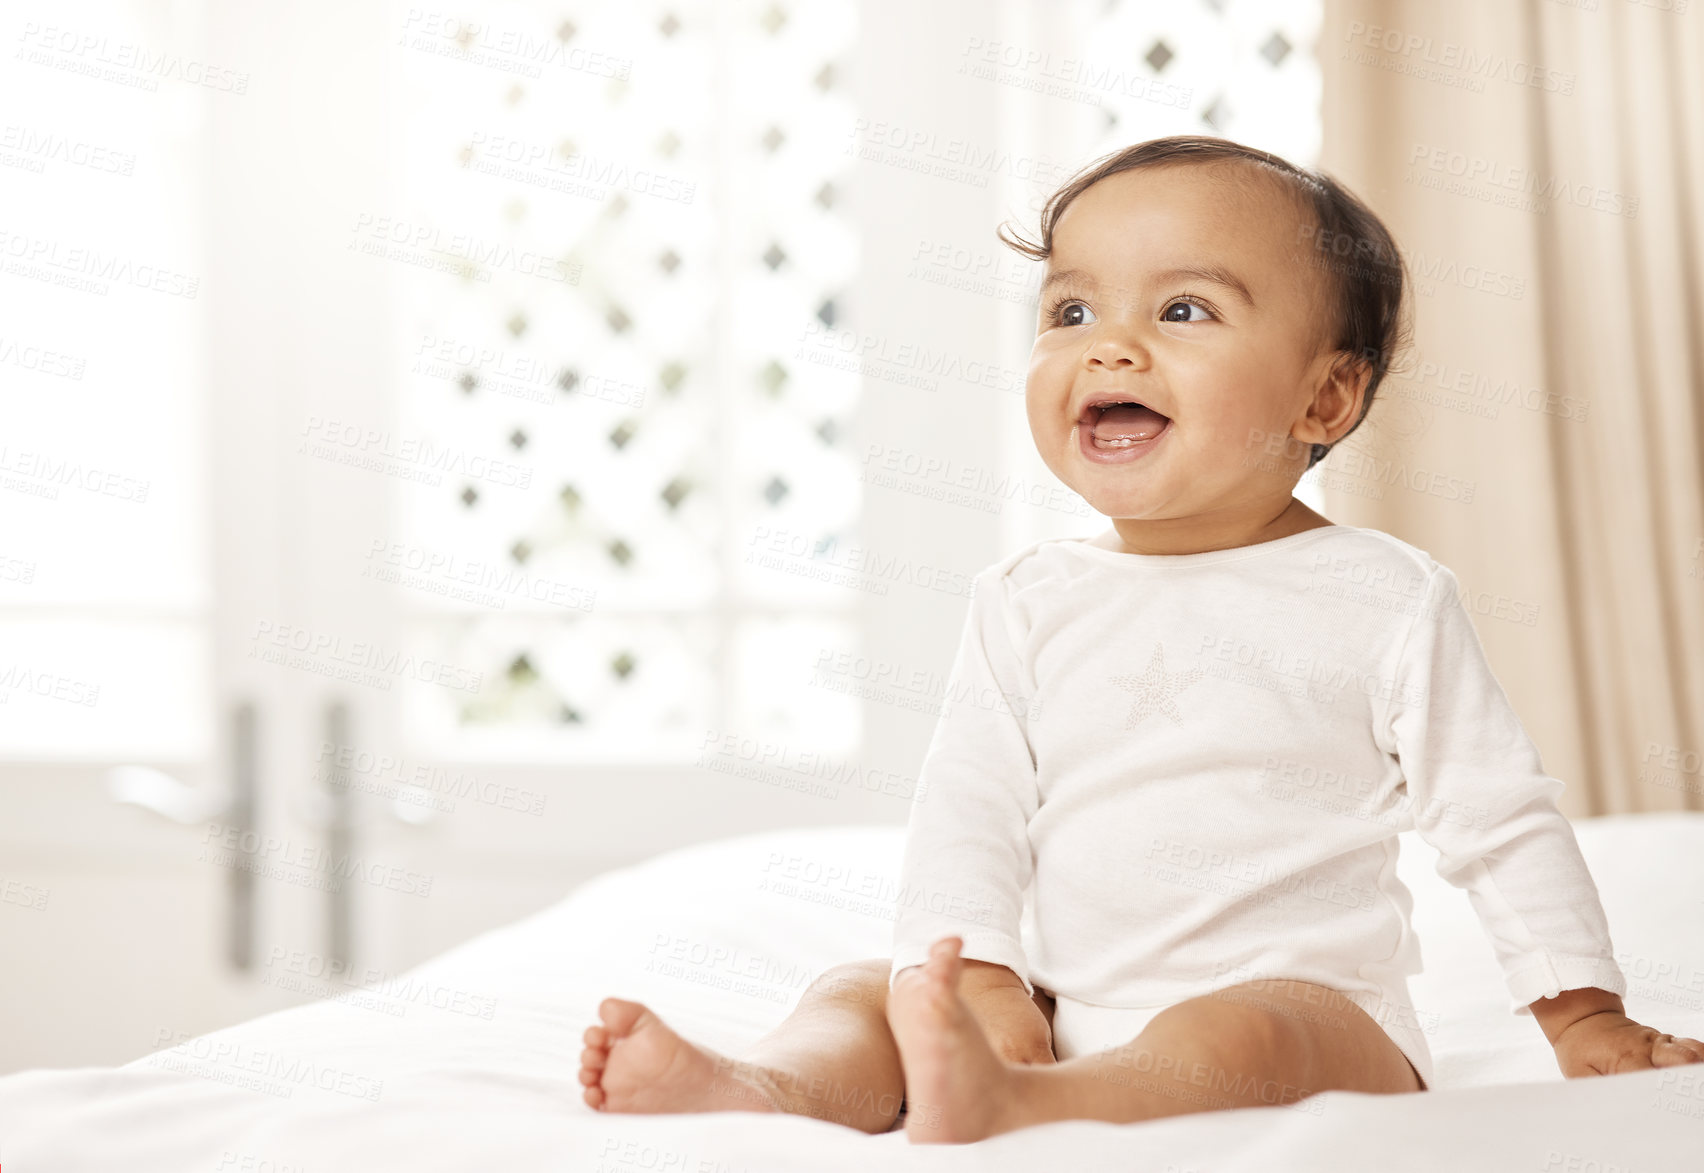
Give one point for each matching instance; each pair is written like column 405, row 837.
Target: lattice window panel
column 670, row 176
column 1248, row 65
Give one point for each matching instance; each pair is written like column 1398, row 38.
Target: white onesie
column 1156, row 776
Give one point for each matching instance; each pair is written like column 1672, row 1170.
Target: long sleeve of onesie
column 968, row 858
column 1479, row 794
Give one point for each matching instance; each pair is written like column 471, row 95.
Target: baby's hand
column 1608, row 1043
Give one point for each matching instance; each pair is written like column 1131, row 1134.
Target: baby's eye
column 1062, row 313
column 1170, row 314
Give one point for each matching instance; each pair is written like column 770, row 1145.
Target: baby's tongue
column 1126, row 422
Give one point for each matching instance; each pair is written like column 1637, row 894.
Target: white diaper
column 1082, row 1028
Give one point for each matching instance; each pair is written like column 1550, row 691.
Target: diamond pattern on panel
column 630, row 222
column 596, row 680
column 1217, row 67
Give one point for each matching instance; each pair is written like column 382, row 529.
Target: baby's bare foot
column 634, row 1063
column 956, row 1088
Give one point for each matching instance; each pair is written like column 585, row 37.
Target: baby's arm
column 1481, row 797
column 967, row 860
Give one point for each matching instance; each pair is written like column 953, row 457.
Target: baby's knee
column 865, row 981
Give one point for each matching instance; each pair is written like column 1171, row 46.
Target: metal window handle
column 239, row 940
column 339, row 842
column 331, row 811
column 234, row 806
column 158, row 791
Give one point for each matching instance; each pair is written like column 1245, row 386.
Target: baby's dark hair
column 1367, row 278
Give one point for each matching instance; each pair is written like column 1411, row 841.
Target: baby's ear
column 1339, row 398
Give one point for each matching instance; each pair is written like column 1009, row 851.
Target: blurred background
column 452, row 451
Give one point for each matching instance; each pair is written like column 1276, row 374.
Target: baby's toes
column 595, row 1036
column 945, row 964
column 594, row 1059
column 945, row 951
column 1680, row 1051
column 619, row 1016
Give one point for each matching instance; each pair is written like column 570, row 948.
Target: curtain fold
column 1541, row 165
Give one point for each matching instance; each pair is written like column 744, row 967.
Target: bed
column 470, row 1060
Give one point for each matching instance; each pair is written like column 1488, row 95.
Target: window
column 616, row 237
column 104, row 557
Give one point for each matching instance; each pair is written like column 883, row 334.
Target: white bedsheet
column 721, row 942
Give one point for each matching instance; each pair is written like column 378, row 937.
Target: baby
column 1151, row 867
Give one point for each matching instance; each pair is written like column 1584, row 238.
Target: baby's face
column 1191, row 297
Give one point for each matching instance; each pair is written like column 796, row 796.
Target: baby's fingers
column 1669, row 1051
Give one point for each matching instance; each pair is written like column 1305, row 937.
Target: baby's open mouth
column 1119, row 425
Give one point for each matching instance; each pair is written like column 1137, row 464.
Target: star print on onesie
column 1155, row 689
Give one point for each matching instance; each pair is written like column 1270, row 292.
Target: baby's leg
column 1260, row 1043
column 833, row 1057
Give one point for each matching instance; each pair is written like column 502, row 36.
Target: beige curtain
column 1541, row 163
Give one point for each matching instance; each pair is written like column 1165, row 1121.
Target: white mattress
column 486, row 1079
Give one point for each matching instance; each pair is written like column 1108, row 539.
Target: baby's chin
column 1129, row 504
column 1168, row 498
